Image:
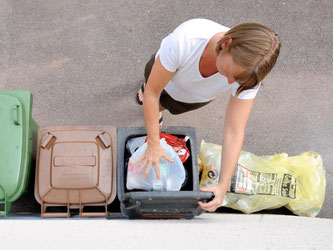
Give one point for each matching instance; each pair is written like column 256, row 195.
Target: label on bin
column 62, row 161
column 245, row 181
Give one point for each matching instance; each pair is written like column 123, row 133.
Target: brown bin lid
column 76, row 167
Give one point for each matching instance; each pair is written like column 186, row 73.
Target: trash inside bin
column 17, row 133
column 133, row 144
column 159, row 204
column 172, row 174
column 268, row 182
column 178, row 144
column 76, row 170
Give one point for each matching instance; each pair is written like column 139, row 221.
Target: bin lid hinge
column 48, row 141
column 104, row 139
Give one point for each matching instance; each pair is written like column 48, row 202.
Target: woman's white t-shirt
column 181, row 51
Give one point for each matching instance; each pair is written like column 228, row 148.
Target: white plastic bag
column 172, row 174
column 133, row 144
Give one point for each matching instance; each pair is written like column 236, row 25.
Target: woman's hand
column 219, row 191
column 152, row 156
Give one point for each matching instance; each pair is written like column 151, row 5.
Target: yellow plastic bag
column 268, row 182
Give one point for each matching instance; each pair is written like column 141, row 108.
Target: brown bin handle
column 93, row 214
column 54, row 215
column 45, row 214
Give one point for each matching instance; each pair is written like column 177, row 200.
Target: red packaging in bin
column 178, row 144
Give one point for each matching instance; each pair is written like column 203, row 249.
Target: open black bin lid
column 182, row 204
column 159, row 204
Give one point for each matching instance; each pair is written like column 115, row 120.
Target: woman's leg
column 147, row 71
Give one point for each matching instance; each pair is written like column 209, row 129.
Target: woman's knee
column 161, row 107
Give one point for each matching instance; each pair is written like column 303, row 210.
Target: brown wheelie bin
column 76, row 169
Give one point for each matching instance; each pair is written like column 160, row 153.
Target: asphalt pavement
column 83, row 61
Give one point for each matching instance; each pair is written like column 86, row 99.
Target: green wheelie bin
column 17, row 133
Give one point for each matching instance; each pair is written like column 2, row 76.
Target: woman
column 196, row 62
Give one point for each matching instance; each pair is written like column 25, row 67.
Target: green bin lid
column 11, row 146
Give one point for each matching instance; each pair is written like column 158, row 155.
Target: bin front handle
column 45, row 214
column 93, row 214
column 6, row 202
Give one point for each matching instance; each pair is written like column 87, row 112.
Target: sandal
column 143, row 86
column 160, row 121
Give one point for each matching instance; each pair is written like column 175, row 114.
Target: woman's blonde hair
column 254, row 47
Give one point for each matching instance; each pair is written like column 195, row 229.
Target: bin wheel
column 133, row 217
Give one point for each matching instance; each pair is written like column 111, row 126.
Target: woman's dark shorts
column 174, row 107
